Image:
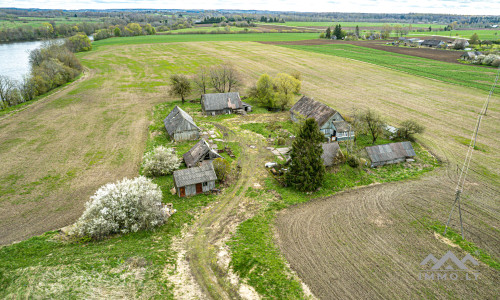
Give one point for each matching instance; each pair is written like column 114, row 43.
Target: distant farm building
column 470, row 55
column 330, row 122
column 390, row 153
column 193, row 181
column 331, row 154
column 180, row 126
column 433, row 43
column 200, row 153
column 223, row 104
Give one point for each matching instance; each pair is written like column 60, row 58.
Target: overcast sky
column 480, row 7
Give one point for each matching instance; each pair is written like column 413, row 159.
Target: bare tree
column 6, row 86
column 224, row 78
column 202, row 80
column 373, row 124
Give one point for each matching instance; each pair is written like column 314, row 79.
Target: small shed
column 223, row 104
column 194, row 180
column 331, row 154
column 470, row 55
column 200, row 153
column 180, row 125
column 433, row 43
column 390, row 153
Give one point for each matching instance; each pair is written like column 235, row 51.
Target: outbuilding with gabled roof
column 180, row 125
column 223, row 103
column 200, row 153
column 390, row 153
column 195, row 180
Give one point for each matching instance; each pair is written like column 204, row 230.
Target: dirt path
column 365, row 243
column 203, row 248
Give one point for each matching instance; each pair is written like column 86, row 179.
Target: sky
column 463, row 7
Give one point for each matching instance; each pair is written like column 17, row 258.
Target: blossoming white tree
column 160, row 161
column 127, row 206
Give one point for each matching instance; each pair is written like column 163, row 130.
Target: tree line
column 52, row 65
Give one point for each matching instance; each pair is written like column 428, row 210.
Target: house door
column 199, row 189
column 183, row 191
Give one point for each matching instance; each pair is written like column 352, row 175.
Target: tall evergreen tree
column 357, row 30
column 338, row 32
column 306, row 169
column 328, row 33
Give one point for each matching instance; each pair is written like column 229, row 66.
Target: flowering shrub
column 160, row 161
column 127, row 206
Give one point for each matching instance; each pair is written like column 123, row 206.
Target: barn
column 330, row 122
column 390, row 153
column 223, row 104
column 200, row 153
column 196, row 180
column 180, row 125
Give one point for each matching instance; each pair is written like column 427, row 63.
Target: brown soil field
column 366, row 243
column 441, row 55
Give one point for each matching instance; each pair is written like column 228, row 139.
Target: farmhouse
column 200, row 153
column 180, row 126
column 223, row 103
column 470, row 55
column 330, row 122
column 194, row 180
column 331, row 154
column 433, row 43
column 390, row 153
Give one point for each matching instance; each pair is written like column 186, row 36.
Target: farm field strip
column 353, row 24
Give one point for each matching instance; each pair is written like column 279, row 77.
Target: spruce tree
column 328, row 33
column 357, row 31
column 306, row 170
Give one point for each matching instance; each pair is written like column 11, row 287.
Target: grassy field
column 484, row 34
column 150, row 39
column 207, row 29
column 37, row 22
column 353, row 24
column 465, row 75
column 57, row 152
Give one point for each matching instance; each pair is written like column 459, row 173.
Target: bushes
column 409, row 128
column 127, row 206
column 160, row 161
column 221, row 168
column 78, row 43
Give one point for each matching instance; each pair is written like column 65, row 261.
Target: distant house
column 180, row 126
column 200, row 153
column 433, row 43
column 390, row 153
column 463, row 42
column 223, row 104
column 330, row 122
column 193, row 181
column 331, row 154
column 470, row 55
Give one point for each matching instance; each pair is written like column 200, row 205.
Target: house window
column 205, row 183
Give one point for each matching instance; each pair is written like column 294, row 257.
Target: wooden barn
column 200, row 153
column 180, row 125
column 331, row 154
column 196, row 180
column 223, row 104
column 330, row 122
column 390, row 153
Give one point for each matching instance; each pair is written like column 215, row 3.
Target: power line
column 463, row 173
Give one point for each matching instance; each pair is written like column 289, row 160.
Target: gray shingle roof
column 388, row 152
column 309, row 108
column 194, row 175
column 197, row 153
column 178, row 120
column 330, row 151
column 221, row 101
column 431, row 42
column 341, row 126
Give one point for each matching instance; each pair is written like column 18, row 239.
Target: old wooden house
column 390, row 153
column 223, row 104
column 433, row 44
column 180, row 125
column 199, row 154
column 196, row 180
column 330, row 122
column 331, row 154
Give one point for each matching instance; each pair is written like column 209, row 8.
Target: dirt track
column 363, row 244
column 441, row 55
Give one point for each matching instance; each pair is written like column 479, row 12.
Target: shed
column 331, row 154
column 180, row 125
column 194, row 180
column 433, row 43
column 324, row 115
column 470, row 55
column 223, row 103
column 200, row 153
column 390, row 153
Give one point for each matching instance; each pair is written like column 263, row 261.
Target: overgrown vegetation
column 160, row 161
column 276, row 93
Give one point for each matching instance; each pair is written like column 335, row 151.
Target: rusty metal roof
column 388, row 152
